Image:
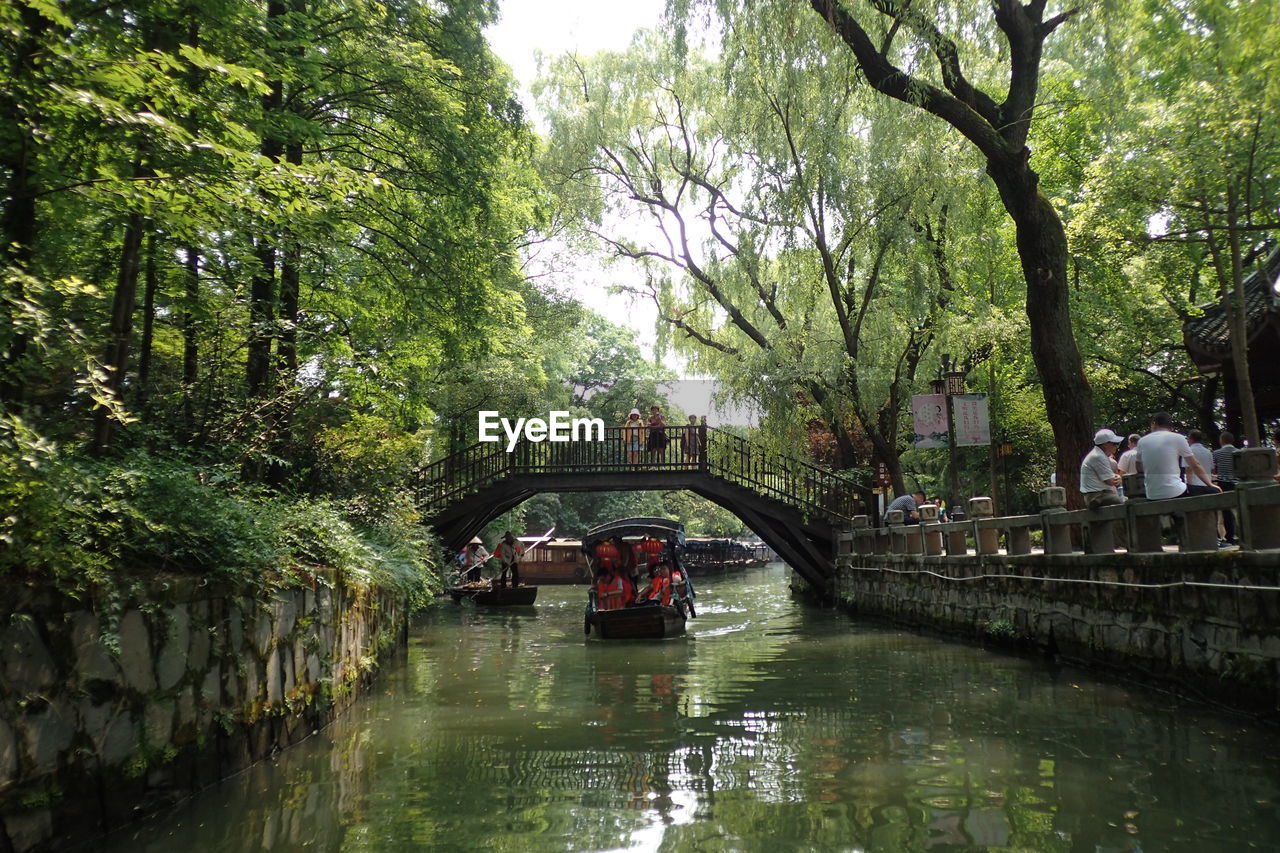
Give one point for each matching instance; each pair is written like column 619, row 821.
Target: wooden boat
column 638, row 622
column 483, row 592
column 646, row 621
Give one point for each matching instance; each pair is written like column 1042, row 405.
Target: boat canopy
column 660, row 528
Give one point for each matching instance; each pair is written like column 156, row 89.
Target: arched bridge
column 793, row 506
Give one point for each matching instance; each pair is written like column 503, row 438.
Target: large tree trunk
column 148, row 325
column 290, row 276
column 190, row 342
column 122, row 304
column 262, row 289
column 18, row 212
column 1238, row 316
column 1042, row 250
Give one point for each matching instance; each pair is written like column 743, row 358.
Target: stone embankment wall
column 109, row 713
column 1186, row 621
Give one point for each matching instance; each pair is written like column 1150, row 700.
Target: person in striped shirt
column 1224, row 470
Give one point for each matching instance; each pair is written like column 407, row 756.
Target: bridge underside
column 805, row 543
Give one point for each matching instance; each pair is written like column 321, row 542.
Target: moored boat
column 554, row 561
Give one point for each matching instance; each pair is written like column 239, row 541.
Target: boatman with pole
column 508, row 552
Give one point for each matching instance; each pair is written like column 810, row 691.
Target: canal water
column 773, row 726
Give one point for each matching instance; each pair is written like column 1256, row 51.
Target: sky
column 559, row 26
column 552, row 28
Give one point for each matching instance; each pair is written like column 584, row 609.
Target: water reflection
column 771, row 726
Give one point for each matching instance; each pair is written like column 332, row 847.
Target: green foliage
column 87, row 526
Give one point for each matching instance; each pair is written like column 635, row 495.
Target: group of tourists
column 622, row 579
column 472, row 559
column 651, row 436
column 1172, row 465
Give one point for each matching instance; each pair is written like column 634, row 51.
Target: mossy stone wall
column 110, row 712
column 1204, row 624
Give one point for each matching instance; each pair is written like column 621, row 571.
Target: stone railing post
column 932, row 537
column 986, row 539
column 1057, row 537
column 1102, row 536
column 861, row 526
column 1260, row 523
column 897, row 540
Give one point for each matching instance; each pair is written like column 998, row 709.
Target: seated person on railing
column 1099, row 478
column 1159, row 452
column 910, row 506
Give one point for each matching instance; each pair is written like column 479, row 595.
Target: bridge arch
column 793, row 506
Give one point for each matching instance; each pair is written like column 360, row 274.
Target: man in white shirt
column 1160, row 451
column 1203, row 455
column 1098, row 476
column 1129, row 459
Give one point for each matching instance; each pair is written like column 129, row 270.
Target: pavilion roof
column 1208, row 336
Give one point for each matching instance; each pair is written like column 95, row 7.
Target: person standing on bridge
column 692, row 440
column 633, row 437
column 1224, row 472
column 657, row 441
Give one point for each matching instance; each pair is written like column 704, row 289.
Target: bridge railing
column 784, row 478
column 624, row 451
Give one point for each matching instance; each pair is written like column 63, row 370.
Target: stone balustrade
column 1136, row 526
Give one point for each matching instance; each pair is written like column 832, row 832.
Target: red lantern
column 606, row 553
column 652, row 547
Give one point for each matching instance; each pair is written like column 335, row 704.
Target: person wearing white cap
column 1099, row 480
column 633, row 437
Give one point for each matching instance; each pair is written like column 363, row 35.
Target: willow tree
column 1192, row 160
column 945, row 60
column 789, row 237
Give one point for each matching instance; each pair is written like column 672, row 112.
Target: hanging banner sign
column 929, row 417
column 973, row 422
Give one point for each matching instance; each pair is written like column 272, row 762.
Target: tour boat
column 649, row 540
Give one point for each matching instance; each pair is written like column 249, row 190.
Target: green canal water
column 773, row 726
